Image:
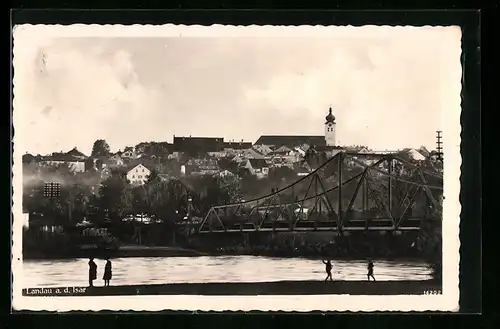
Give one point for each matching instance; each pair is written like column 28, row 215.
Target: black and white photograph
column 236, row 168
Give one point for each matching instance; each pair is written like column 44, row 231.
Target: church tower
column 330, row 127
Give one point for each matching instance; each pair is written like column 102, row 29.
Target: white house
column 138, row 175
column 75, row 165
column 416, row 155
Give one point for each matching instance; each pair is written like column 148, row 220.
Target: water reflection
column 212, row 269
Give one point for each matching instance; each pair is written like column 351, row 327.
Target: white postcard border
column 448, row 301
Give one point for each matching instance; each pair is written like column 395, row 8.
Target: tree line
column 84, row 196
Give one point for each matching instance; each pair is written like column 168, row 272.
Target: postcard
column 236, row 168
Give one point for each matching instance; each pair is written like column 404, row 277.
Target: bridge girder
column 349, row 191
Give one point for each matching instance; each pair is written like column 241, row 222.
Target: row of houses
column 204, row 155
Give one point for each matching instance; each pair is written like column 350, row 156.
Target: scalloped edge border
column 448, row 301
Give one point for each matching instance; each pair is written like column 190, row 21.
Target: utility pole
column 439, row 145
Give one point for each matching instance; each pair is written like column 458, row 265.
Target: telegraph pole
column 439, row 145
column 52, row 190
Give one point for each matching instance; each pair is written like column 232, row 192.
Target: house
column 247, row 154
column 251, row 153
column 290, row 141
column 257, row 167
column 128, row 153
column 224, row 173
column 300, row 150
column 356, row 149
column 206, row 166
column 114, row 161
column 262, row 149
column 138, row 175
column 283, row 150
column 286, row 157
column 412, row 154
column 74, row 159
column 74, row 153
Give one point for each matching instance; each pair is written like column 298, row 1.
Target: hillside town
column 148, row 193
column 209, row 156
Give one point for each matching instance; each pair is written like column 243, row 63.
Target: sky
column 387, row 90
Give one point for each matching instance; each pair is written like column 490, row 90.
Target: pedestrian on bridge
column 370, row 271
column 328, row 269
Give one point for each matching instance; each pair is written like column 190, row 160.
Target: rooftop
column 290, row 141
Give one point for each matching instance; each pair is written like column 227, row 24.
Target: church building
column 327, row 141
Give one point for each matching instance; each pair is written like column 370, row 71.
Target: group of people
column 329, row 266
column 93, row 272
column 108, row 271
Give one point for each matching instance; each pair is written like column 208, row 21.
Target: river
column 74, row 272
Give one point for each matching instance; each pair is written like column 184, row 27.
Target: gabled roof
column 290, row 141
column 74, row 152
column 145, row 164
column 282, row 149
column 252, row 152
column 258, row 163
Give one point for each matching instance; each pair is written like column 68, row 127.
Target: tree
column 139, row 201
column 100, row 148
column 279, row 174
column 114, row 199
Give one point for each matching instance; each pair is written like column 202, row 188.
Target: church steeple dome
column 330, row 118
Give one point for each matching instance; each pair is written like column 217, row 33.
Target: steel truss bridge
column 347, row 192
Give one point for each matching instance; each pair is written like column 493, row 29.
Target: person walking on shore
column 107, row 272
column 328, row 269
column 370, row 271
column 92, row 271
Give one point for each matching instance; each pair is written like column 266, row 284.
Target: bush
column 436, row 268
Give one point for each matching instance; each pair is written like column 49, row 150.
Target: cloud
column 85, row 93
column 387, row 90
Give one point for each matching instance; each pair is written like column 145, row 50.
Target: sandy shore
column 250, row 288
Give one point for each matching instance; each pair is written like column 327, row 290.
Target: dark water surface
column 44, row 273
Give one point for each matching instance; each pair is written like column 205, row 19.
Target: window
column 143, row 170
column 133, row 176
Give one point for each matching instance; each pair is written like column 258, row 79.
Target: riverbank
column 141, row 251
column 125, row 251
column 171, row 252
column 250, row 288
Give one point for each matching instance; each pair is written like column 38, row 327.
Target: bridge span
column 346, row 192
